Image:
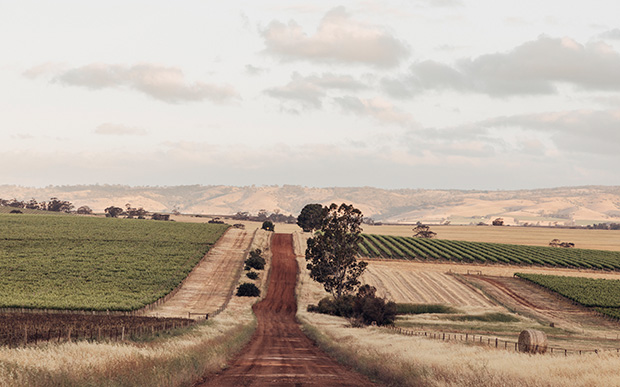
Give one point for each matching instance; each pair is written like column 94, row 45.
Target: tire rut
column 279, row 354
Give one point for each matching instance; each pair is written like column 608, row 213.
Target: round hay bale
column 533, row 341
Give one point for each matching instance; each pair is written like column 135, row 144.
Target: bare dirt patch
column 209, row 285
column 574, row 322
column 279, row 353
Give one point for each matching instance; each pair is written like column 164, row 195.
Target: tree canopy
column 332, row 253
column 423, row 231
column 268, row 225
column 311, row 217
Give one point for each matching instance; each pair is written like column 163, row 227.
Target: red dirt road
column 279, row 353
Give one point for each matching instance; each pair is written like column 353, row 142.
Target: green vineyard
column 601, row 294
column 74, row 262
column 397, row 247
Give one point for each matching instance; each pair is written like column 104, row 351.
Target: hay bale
column 533, row 341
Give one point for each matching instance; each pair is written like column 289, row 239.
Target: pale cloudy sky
column 395, row 94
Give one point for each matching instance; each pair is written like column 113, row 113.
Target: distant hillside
column 566, row 206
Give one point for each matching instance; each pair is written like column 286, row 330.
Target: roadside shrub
column 342, row 307
column 247, row 289
column 364, row 308
column 371, row 308
column 255, row 261
column 252, row 275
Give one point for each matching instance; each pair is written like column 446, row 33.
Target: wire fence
column 492, row 341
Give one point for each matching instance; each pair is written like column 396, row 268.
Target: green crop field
column 388, row 246
column 87, row 263
column 602, row 294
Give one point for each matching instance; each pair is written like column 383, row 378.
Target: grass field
column 88, row 263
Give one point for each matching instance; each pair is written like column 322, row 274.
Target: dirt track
column 209, row 285
column 542, row 305
column 279, row 353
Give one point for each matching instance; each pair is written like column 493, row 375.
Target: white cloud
column 166, row 84
column 379, row 109
column 339, row 38
column 254, row 70
column 577, row 131
column 535, row 67
column 613, row 34
column 43, row 69
column 310, row 90
column 119, row 130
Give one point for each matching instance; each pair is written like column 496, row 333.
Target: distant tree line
column 605, row 226
column 263, row 215
column 57, row 205
column 54, row 204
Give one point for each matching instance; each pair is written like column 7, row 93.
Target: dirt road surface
column 279, row 353
column 209, row 285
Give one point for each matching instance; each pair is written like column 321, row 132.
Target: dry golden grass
column 413, row 361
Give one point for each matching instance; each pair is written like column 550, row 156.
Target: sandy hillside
column 561, row 206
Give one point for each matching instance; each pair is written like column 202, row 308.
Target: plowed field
column 279, row 353
column 423, row 287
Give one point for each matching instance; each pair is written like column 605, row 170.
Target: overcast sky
column 395, row 94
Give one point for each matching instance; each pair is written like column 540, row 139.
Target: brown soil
column 209, row 285
column 279, row 353
column 546, row 307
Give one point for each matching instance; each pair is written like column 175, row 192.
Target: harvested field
column 421, row 287
column 211, row 283
column 488, row 269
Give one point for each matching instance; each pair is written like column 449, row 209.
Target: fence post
column 25, row 334
column 123, row 334
column 496, row 342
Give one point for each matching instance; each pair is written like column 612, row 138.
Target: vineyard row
column 397, row 247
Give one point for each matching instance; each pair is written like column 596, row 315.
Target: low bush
column 255, row 261
column 252, row 275
column 423, row 308
column 247, row 289
column 364, row 307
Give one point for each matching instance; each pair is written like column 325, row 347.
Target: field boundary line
column 490, row 341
